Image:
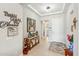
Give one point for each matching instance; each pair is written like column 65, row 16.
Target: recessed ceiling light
column 48, row 7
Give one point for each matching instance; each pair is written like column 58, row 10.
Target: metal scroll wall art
column 14, row 21
column 12, row 24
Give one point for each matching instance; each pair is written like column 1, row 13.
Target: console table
column 29, row 43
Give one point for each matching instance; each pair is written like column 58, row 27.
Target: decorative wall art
column 3, row 24
column 73, row 26
column 74, row 22
column 70, row 35
column 14, row 21
column 71, row 12
column 70, row 39
column 31, row 25
column 12, row 30
column 12, row 24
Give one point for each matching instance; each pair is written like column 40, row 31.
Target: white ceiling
column 41, row 8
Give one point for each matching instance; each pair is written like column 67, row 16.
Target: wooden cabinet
column 68, row 52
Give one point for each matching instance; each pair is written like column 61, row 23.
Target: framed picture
column 12, row 30
column 31, row 25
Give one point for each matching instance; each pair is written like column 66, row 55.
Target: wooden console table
column 33, row 41
column 29, row 43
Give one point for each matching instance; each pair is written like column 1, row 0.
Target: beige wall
column 69, row 19
column 11, row 45
column 56, row 22
column 27, row 12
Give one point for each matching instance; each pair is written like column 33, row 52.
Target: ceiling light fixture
column 48, row 7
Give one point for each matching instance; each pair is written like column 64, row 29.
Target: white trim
column 34, row 9
column 64, row 7
column 52, row 13
column 48, row 13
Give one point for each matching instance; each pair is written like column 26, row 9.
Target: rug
column 57, row 47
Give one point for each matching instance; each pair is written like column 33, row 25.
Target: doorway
column 44, row 29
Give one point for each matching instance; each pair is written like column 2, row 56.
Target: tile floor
column 42, row 49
